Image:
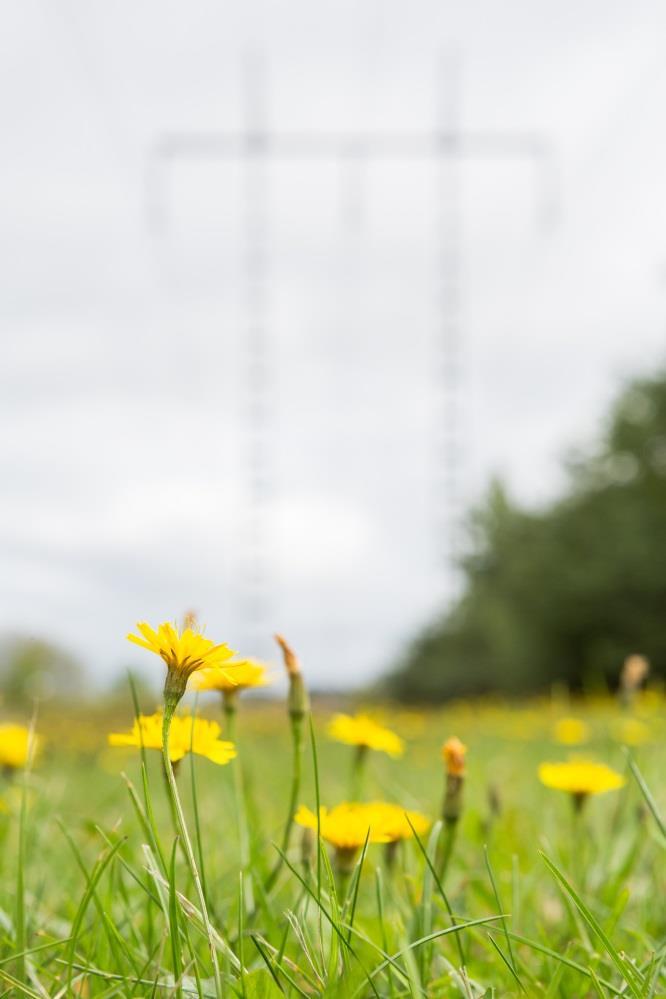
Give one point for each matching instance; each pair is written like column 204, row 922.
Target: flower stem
column 229, row 705
column 445, row 847
column 187, row 845
column 357, row 772
column 296, row 774
column 174, row 817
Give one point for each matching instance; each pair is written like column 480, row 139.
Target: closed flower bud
column 634, row 671
column 298, row 699
column 453, row 754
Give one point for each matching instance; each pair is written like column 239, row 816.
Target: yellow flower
column 571, row 731
column 453, row 754
column 580, row 777
column 395, row 820
column 187, row 650
column 237, row 676
column 631, row 732
column 198, row 734
column 182, row 651
column 360, row 730
column 347, row 825
column 16, row 746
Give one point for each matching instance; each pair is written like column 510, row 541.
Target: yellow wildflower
column 395, row 820
column 631, row 732
column 183, row 652
column 571, row 731
column 16, row 746
column 187, row 733
column 580, row 777
column 360, row 730
column 240, row 675
column 346, row 825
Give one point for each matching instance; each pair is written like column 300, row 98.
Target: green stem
column 296, row 776
column 185, row 839
column 358, row 769
column 174, row 817
column 445, row 847
column 229, row 704
column 578, row 840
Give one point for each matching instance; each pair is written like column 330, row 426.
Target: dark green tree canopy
column 33, row 669
column 560, row 595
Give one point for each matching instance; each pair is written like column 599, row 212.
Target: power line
column 257, row 146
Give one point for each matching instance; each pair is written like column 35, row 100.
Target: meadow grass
column 539, row 898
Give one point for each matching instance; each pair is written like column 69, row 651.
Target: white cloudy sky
column 122, row 382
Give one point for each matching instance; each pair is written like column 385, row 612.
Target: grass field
column 539, row 898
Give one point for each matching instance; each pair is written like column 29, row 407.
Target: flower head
column 571, row 731
column 183, row 652
column 347, row 825
column 631, row 732
column 17, row 744
column 360, row 730
column 580, row 777
column 453, row 754
column 186, row 733
column 398, row 822
column 237, row 676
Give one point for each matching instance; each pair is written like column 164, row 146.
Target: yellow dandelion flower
column 395, row 820
column 199, row 735
column 347, row 825
column 238, row 676
column 570, row 731
column 580, row 777
column 16, row 746
column 360, row 730
column 183, row 652
column 631, row 732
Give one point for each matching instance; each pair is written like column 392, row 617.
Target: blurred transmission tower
column 257, row 146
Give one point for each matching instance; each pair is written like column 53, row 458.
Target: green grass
column 96, row 897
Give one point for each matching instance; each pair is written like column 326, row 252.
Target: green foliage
column 97, row 897
column 560, row 595
column 34, row 669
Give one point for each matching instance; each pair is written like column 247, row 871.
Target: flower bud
column 298, row 700
column 634, row 671
column 453, row 754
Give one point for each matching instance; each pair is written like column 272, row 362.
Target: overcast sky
column 124, row 374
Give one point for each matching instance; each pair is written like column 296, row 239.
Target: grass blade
column 630, row 974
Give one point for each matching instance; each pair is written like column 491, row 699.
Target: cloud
column 124, row 388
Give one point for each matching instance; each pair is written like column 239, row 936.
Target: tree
column 565, row 593
column 35, row 669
